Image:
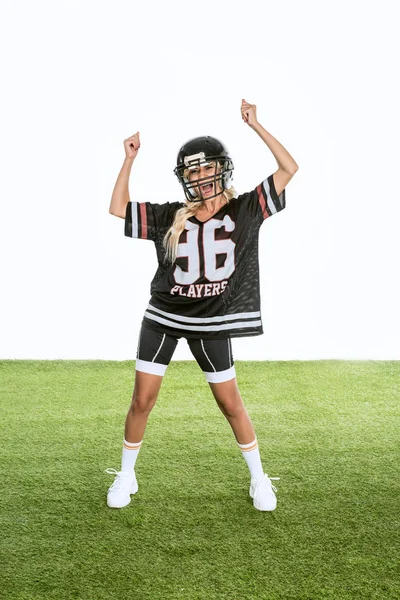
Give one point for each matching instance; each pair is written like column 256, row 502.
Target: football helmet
column 202, row 151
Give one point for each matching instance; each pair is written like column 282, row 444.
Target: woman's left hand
column 249, row 113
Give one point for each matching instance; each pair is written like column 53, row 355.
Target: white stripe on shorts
column 150, row 367
column 162, row 341
column 220, row 376
column 207, row 357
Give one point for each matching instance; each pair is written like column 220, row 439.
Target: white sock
column 251, row 455
column 130, row 452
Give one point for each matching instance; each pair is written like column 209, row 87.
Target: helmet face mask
column 199, row 152
column 212, row 176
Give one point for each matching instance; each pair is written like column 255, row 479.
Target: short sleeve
column 263, row 201
column 144, row 219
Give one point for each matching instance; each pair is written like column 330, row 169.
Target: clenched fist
column 132, row 145
column 248, row 113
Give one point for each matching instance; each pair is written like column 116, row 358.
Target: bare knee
column 145, row 393
column 231, row 407
column 142, row 403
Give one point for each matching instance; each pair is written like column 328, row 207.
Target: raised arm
column 286, row 163
column 120, row 196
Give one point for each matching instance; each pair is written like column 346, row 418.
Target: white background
column 79, row 77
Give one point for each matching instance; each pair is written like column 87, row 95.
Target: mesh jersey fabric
column 212, row 290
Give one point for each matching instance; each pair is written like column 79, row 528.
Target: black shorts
column 214, row 356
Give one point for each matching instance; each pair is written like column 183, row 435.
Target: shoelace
column 120, row 475
column 267, row 480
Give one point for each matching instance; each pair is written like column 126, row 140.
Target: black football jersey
column 212, row 290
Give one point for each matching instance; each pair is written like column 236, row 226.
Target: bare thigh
column 228, row 397
column 146, row 390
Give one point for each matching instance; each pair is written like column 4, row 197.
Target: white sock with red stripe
column 130, row 452
column 251, row 455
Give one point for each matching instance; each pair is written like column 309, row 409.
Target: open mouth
column 207, row 188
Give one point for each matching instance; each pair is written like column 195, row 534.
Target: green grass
column 328, row 429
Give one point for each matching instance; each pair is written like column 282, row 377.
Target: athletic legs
column 145, row 393
column 230, row 402
column 215, row 358
column 154, row 354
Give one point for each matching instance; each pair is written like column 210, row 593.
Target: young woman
column 206, row 288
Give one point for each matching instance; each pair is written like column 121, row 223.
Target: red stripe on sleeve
column 261, row 200
column 143, row 220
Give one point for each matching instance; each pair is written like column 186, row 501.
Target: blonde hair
column 171, row 238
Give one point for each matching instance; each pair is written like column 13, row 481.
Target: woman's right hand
column 132, row 145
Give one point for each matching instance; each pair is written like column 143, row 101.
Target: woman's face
column 207, row 173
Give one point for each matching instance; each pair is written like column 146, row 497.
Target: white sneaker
column 262, row 492
column 125, row 484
